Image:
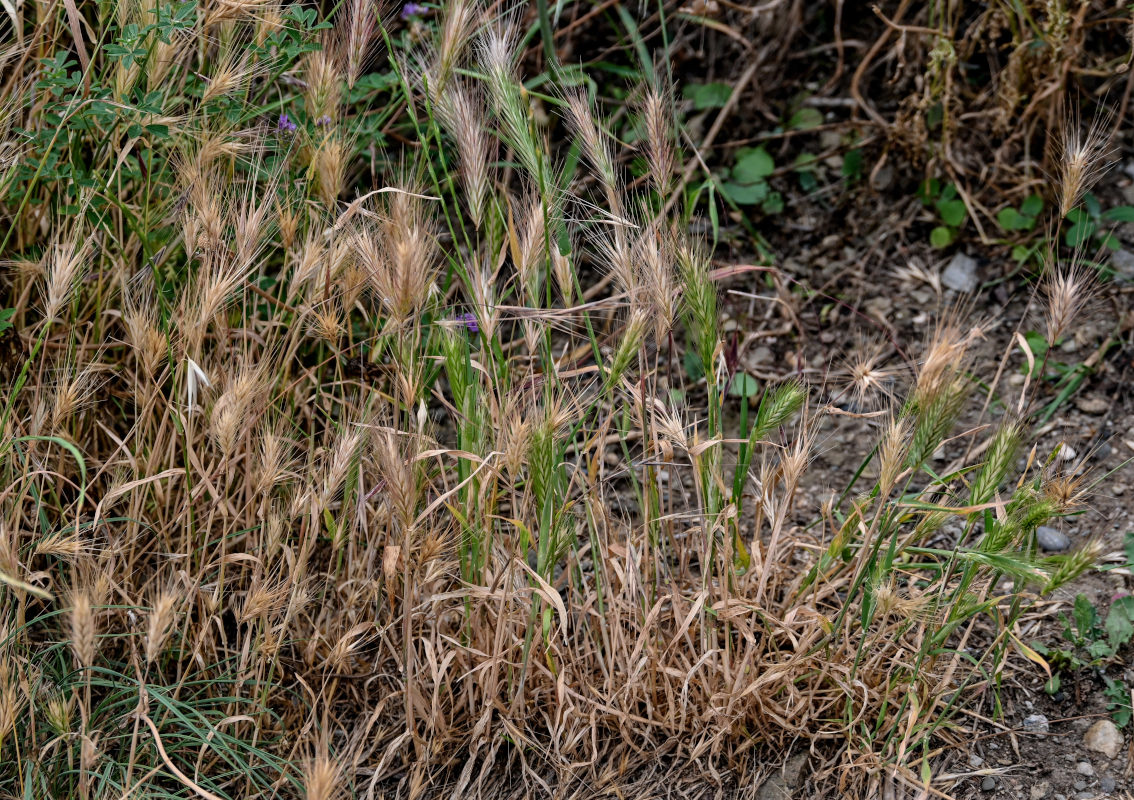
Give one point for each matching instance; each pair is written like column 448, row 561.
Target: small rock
column 881, row 179
column 975, row 761
column 1092, row 405
column 795, row 770
column 1036, row 723
column 761, row 355
column 1039, row 790
column 781, row 784
column 1122, row 261
column 1085, row 796
column 1107, row 784
column 1104, row 737
column 1052, row 540
column 961, row 274
column 1085, row 768
column 773, row 789
column 1079, row 785
column 988, row 784
column 1067, row 453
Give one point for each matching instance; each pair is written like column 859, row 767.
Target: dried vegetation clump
column 403, row 494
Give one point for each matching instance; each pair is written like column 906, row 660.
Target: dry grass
column 383, row 498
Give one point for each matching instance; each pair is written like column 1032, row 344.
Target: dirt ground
column 871, row 294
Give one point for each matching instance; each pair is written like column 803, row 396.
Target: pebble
column 961, row 274
column 1085, row 796
column 975, row 761
column 1039, row 790
column 1085, row 768
column 1079, row 785
column 988, row 784
column 1107, row 784
column 1036, row 723
column 1051, row 539
column 1092, row 405
column 1122, row 262
column 1104, row 737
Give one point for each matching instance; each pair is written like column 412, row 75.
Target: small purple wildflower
column 470, row 322
column 413, row 10
column 324, row 121
column 285, row 125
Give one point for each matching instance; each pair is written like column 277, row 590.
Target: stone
column 961, row 274
column 1051, row 539
column 1039, row 790
column 1079, row 785
column 988, row 784
column 975, row 761
column 1085, row 768
column 1104, row 737
column 795, row 770
column 783, row 784
column 1036, row 723
column 1122, row 262
column 1093, row 404
column 1107, row 784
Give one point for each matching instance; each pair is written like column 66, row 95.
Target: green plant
column 1095, row 644
column 746, row 181
column 949, row 208
column 1089, row 222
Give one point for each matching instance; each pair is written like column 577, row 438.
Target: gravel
column 1036, row 723
column 988, row 784
column 1051, row 539
column 961, row 274
column 1104, row 737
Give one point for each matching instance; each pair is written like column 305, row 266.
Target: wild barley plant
column 396, row 492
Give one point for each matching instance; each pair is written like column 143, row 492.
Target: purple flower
column 413, row 10
column 324, row 121
column 470, row 322
column 285, row 125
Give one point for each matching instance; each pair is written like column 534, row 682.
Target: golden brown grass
column 377, row 498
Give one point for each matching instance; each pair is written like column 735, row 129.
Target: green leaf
column 953, row 212
column 941, row 237
column 1077, row 215
column 744, row 385
column 774, row 204
column 1119, row 214
column 852, row 165
column 1085, row 616
column 694, row 368
column 806, row 119
column 753, row 165
column 1010, row 219
column 708, row 95
column 1128, row 546
column 1032, row 206
column 929, row 190
column 1120, row 621
column 1080, row 233
column 745, row 194
column 6, row 318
